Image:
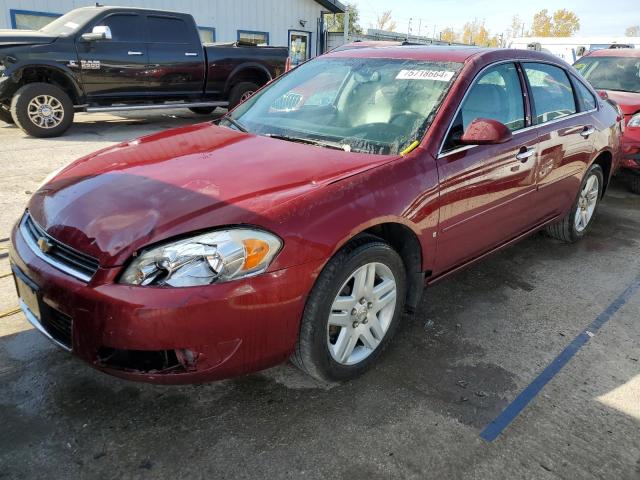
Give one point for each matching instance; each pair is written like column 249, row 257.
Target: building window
column 207, row 34
column 255, row 38
column 28, row 20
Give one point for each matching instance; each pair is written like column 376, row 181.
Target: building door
column 299, row 46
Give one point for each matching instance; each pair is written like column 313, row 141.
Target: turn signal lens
column 255, row 250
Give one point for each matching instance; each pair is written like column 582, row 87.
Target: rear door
column 565, row 134
column 115, row 68
column 487, row 190
column 176, row 57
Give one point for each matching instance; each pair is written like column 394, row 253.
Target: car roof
column 441, row 53
column 109, row 8
column 615, row 52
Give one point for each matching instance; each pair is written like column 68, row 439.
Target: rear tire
column 42, row 110
column 202, row 110
column 634, row 183
column 241, row 92
column 572, row 228
column 346, row 327
column 5, row 115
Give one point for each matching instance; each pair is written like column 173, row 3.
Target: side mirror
column 484, row 131
column 100, row 32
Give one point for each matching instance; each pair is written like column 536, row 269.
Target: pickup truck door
column 176, row 57
column 115, row 68
column 487, row 192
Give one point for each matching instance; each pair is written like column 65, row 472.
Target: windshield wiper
column 235, row 123
column 308, row 141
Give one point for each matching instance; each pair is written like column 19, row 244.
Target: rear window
column 168, row 30
column 551, row 90
column 585, row 97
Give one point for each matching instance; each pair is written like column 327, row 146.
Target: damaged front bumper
column 169, row 335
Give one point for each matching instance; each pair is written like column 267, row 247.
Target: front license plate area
column 28, row 292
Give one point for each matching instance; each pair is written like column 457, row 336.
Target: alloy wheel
column 587, row 202
column 45, row 111
column 361, row 313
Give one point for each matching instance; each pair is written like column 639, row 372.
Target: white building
column 297, row 24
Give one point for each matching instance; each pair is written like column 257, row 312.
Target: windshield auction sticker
column 440, row 75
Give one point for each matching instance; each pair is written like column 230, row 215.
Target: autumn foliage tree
column 563, row 23
column 475, row 33
column 386, row 22
column 448, row 35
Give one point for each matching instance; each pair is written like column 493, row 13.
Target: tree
column 448, row 35
column 475, row 33
column 517, row 27
column 542, row 24
column 335, row 21
column 565, row 23
column 633, row 31
column 385, row 22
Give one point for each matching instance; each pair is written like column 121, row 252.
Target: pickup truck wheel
column 202, row 110
column 5, row 115
column 634, row 183
column 352, row 312
column 241, row 92
column 577, row 222
column 42, row 110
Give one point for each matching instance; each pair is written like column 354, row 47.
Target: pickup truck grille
column 287, row 102
column 57, row 254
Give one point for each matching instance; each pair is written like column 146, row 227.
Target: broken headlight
column 214, row 257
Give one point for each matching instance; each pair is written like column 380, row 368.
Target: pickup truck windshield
column 370, row 105
column 68, row 23
column 611, row 73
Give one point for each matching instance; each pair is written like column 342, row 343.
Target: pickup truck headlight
column 215, row 257
column 635, row 121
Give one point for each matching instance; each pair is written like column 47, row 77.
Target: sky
column 596, row 17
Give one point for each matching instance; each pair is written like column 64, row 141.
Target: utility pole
column 346, row 26
column 419, row 27
column 409, row 29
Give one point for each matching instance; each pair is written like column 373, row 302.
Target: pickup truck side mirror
column 100, row 32
column 485, row 131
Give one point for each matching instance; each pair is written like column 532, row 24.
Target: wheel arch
column 604, row 158
column 54, row 75
column 248, row 72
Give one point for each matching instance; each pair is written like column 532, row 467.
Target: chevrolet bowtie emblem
column 44, row 245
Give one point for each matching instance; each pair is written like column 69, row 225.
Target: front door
column 299, row 46
column 176, row 57
column 116, row 67
column 487, row 190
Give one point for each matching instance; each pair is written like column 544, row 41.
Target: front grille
column 58, row 325
column 57, row 254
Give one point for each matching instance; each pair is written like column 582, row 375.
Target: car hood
column 118, row 200
column 629, row 102
column 23, row 37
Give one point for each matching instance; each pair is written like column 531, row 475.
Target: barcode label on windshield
column 440, row 75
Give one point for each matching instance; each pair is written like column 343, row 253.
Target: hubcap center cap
column 45, row 110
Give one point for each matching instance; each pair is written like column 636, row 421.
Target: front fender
column 16, row 72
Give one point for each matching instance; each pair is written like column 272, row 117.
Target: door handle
column 525, row 153
column 133, row 53
column 190, row 54
column 588, row 130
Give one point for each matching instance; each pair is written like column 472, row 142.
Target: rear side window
column 168, row 30
column 551, row 91
column 585, row 97
column 124, row 27
column 497, row 95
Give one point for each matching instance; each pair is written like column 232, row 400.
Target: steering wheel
column 407, row 114
column 379, row 128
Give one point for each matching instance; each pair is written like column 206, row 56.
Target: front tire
column 352, row 312
column 5, row 115
column 42, row 110
column 578, row 221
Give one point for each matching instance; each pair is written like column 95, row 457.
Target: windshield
column 371, row 105
column 611, row 73
column 69, row 23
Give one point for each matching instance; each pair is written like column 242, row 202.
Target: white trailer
column 572, row 48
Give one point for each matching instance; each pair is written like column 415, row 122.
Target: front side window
column 254, row 38
column 369, row 105
column 551, row 91
column 497, row 95
column 611, row 73
column 124, row 27
column 585, row 97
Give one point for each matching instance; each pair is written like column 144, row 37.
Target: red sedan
column 617, row 72
column 215, row 250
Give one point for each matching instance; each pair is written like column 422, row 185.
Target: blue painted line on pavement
column 502, row 421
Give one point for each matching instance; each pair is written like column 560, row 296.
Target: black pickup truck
column 104, row 59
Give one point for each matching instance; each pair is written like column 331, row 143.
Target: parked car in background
column 617, row 73
column 304, row 232
column 105, row 59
